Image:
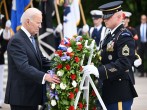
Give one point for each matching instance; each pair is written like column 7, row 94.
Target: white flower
column 74, row 83
column 53, row 85
column 78, row 43
column 60, row 73
column 62, row 86
column 69, row 50
column 53, row 102
column 56, row 54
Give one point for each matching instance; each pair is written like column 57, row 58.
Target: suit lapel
column 30, row 45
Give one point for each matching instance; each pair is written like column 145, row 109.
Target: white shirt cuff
column 43, row 80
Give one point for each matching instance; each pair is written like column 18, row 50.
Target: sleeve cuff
column 43, row 80
column 103, row 72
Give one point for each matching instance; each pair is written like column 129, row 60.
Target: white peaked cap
column 96, row 12
column 127, row 14
column 8, row 23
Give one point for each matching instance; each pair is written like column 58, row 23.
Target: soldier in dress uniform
column 118, row 55
column 4, row 38
column 96, row 32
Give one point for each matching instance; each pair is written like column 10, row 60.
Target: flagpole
column 58, row 18
column 6, row 11
column 83, row 16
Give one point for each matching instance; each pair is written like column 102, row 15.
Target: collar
column 115, row 28
column 98, row 27
column 27, row 32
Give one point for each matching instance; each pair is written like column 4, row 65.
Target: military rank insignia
column 112, row 70
column 125, row 50
column 110, row 46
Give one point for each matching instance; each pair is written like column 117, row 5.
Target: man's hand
column 52, row 78
column 91, row 69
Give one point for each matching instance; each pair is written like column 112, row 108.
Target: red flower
column 67, row 67
column 59, row 66
column 71, row 95
column 81, row 39
column 81, row 68
column 59, row 52
column 76, row 90
column 93, row 93
column 80, row 105
column 70, row 54
column 77, row 59
column 71, row 108
column 68, row 44
column 79, row 46
column 94, row 108
column 73, row 76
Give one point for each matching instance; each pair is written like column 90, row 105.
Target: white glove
column 91, row 69
column 8, row 23
column 85, row 28
column 137, row 62
column 59, row 28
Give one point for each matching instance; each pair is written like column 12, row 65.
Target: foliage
column 67, row 65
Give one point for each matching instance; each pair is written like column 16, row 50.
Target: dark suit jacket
column 25, row 72
column 138, row 33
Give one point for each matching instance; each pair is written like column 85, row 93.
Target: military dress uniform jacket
column 118, row 53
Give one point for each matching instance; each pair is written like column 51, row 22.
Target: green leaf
column 65, row 102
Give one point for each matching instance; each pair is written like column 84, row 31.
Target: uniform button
column 119, row 79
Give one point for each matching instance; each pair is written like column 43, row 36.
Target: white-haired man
column 24, row 89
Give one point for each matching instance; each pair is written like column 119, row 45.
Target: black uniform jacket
column 118, row 53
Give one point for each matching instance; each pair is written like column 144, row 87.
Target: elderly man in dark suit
column 24, row 89
column 142, row 42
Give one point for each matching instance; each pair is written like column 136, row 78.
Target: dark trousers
column 125, row 105
column 16, row 107
column 142, row 51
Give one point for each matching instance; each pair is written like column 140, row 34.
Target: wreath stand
column 86, row 79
